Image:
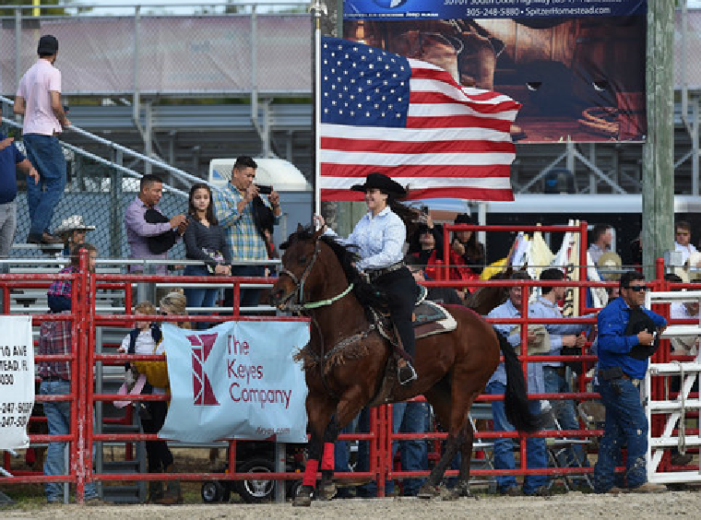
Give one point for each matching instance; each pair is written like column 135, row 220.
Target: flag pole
column 317, row 8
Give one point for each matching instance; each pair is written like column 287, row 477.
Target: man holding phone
column 234, row 209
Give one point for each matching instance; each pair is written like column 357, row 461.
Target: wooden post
column 658, row 151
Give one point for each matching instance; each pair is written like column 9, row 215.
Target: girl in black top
column 205, row 241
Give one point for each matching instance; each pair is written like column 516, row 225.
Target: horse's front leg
column 327, row 487
column 320, row 456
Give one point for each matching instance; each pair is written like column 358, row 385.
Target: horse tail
column 516, row 397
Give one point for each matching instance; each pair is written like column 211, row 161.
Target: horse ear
column 300, row 227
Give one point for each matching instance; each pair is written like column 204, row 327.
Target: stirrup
column 406, row 374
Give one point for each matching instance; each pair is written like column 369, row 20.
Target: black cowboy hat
column 638, row 322
column 381, row 182
column 159, row 244
column 463, row 218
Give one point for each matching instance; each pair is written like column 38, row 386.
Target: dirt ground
column 572, row 506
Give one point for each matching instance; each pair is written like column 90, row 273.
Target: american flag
column 381, row 112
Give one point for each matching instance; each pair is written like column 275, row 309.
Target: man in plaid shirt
column 233, row 207
column 55, row 338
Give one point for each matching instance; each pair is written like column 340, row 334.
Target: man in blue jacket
column 623, row 361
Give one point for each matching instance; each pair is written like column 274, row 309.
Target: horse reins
column 299, row 285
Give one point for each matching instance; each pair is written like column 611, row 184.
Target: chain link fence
column 223, row 54
column 100, row 194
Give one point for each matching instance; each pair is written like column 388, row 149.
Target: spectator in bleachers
column 682, row 240
column 38, row 99
column 601, row 238
column 10, row 160
column 160, row 458
column 565, row 339
column 426, row 244
column 72, row 231
column 536, row 485
column 150, row 233
column 55, row 338
column 204, row 241
column 236, row 208
column 466, row 246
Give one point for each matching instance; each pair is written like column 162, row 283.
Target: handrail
column 183, row 175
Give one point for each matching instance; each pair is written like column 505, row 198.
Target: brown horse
column 346, row 359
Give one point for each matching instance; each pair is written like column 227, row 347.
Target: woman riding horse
column 379, row 237
column 347, row 358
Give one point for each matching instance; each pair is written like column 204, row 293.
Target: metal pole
column 658, row 150
column 18, row 39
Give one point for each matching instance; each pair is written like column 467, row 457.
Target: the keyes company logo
column 202, row 388
column 390, row 4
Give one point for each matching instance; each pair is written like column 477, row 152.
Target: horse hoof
column 303, row 497
column 460, row 490
column 429, row 491
column 327, row 490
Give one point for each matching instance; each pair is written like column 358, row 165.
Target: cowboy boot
column 155, row 491
column 172, row 494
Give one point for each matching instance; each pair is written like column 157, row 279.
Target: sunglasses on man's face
column 637, row 288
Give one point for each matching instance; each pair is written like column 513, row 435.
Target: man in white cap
column 38, row 99
column 72, row 231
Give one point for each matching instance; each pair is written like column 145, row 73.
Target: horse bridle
column 299, row 286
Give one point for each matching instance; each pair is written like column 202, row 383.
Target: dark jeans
column 406, row 418
column 249, row 297
column 504, row 448
column 565, row 413
column 626, row 424
column 58, row 419
column 45, row 153
column 200, row 296
column 158, row 454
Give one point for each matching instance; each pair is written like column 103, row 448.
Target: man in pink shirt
column 39, row 101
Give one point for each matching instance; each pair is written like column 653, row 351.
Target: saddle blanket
column 430, row 318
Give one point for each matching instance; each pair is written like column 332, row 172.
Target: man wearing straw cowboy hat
column 72, row 231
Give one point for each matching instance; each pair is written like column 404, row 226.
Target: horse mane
column 367, row 294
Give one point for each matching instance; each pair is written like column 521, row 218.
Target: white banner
column 236, row 381
column 16, row 380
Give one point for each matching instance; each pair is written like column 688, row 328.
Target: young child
column 205, row 241
column 145, row 338
column 159, row 456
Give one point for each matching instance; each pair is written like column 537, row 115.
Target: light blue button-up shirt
column 544, row 308
column 536, row 382
column 379, row 239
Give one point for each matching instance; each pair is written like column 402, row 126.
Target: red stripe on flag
column 459, row 121
column 430, row 193
column 412, row 147
column 433, row 98
column 358, row 171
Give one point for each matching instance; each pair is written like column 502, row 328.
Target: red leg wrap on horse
column 310, row 473
column 327, row 460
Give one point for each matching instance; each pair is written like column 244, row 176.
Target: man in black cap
column 38, row 99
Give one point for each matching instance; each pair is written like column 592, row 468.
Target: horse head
column 302, row 250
